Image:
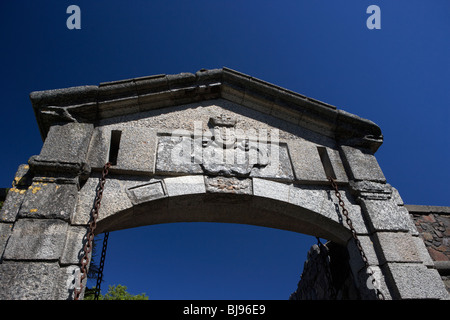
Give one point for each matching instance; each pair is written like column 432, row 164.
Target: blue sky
column 398, row 77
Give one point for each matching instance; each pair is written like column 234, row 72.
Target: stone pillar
column 396, row 254
column 41, row 255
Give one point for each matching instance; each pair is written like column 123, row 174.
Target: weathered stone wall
column 326, row 275
column 40, row 245
column 314, row 283
column 45, row 217
column 433, row 224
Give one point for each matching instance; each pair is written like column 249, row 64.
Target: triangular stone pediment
column 216, row 137
column 96, row 104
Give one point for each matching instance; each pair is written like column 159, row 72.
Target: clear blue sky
column 398, row 77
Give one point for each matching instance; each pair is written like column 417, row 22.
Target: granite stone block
column 5, row 232
column 326, row 204
column 185, row 185
column 66, row 282
column 29, row 280
column 306, row 161
column 369, row 280
column 36, row 239
column 147, row 192
column 416, row 281
column 115, row 198
column 137, row 150
column 98, row 153
column 67, row 143
column 362, row 165
column 398, row 247
column 396, row 197
column 371, row 190
column 337, row 165
column 73, row 246
column 271, row 189
column 16, row 194
column 11, row 205
column 385, row 215
column 368, row 246
column 49, row 200
column 422, row 251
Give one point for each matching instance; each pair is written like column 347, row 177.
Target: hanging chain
column 90, row 236
column 101, row 266
column 370, row 272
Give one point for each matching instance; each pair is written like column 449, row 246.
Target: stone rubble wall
column 326, row 275
column 433, row 225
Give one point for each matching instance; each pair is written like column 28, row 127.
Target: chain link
column 101, row 266
column 87, row 249
column 370, row 272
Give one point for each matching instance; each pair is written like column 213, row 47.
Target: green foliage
column 117, row 292
column 89, row 294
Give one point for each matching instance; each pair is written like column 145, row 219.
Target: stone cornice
column 93, row 103
column 424, row 209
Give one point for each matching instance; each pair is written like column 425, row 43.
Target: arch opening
column 229, row 208
column 192, row 261
column 239, row 210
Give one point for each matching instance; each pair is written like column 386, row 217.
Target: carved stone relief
column 224, row 150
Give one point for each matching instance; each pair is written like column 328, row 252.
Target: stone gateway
column 214, row 146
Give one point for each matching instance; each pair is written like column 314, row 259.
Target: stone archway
column 164, row 135
column 307, row 209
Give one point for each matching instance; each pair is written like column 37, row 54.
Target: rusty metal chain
column 370, row 272
column 87, row 249
column 101, row 266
